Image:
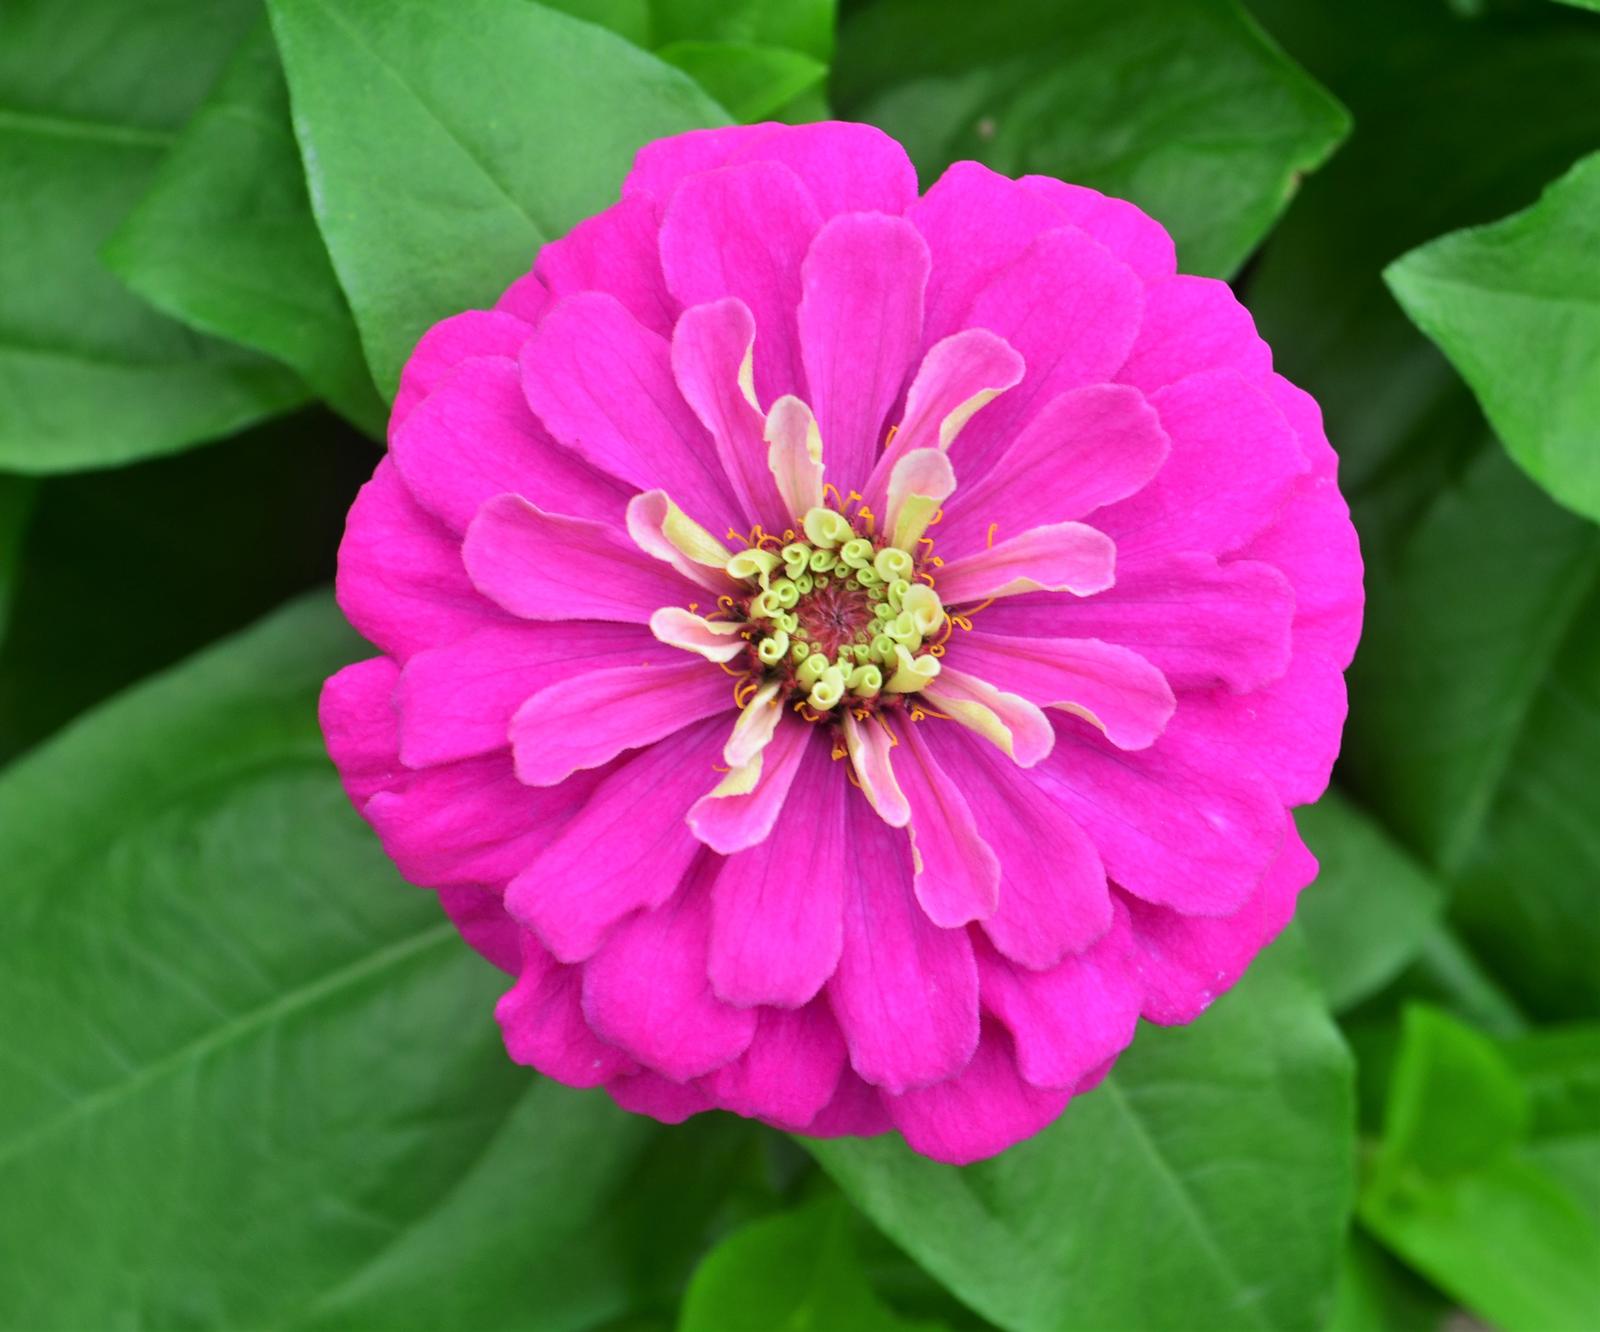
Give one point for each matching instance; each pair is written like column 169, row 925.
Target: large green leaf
column 446, row 140
column 1182, row 106
column 251, row 1077
column 16, row 504
column 90, row 95
column 225, row 240
column 1516, row 308
column 1204, row 1184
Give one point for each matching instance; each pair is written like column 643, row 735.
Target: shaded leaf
column 752, row 82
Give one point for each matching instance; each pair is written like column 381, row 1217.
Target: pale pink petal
column 614, row 252
column 1193, row 324
column 474, row 438
column 869, row 743
column 457, row 700
column 662, row 530
column 360, row 727
column 1053, row 894
column 541, row 1019
column 743, row 231
column 1233, row 465
column 647, row 992
column 794, row 456
column 921, row 481
column 449, row 342
column 790, row 1070
column 1188, row 961
column 906, row 992
column 1172, row 827
column 526, row 298
column 711, row 350
column 625, row 849
column 860, row 325
column 777, row 908
column 1132, row 235
column 1006, row 720
column 1110, row 686
column 602, row 384
column 741, row 810
column 542, row 566
column 715, row 640
column 1089, row 447
column 588, row 719
column 956, row 873
column 1064, row 557
column 401, row 582
column 479, row 916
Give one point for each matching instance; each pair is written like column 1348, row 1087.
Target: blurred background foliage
column 248, row 1079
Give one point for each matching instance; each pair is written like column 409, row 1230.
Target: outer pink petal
column 542, row 566
column 1173, row 825
column 956, row 872
column 627, row 848
column 905, row 992
column 647, row 992
column 1189, row 961
column 1133, row 236
column 743, row 231
column 614, row 252
column 474, row 438
column 480, row 916
column 541, row 1018
column 646, row 1093
column 790, row 1070
column 860, row 326
column 1053, row 894
column 1233, row 466
column 1193, row 324
column 590, row 718
column 1070, row 557
column 401, row 582
column 449, row 342
column 526, row 298
column 360, row 727
column 729, row 824
column 777, row 909
column 982, row 1110
column 602, row 384
column 1090, row 446
column 1199, row 622
column 856, row 1111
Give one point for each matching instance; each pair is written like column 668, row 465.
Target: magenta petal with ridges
column 541, row 1018
column 1127, row 231
column 956, row 874
column 361, row 728
column 789, row 1072
column 1193, row 324
column 738, row 814
column 472, row 333
column 614, row 252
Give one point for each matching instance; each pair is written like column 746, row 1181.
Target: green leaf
column 1377, row 1294
column 805, row 26
column 1453, row 1192
column 225, row 240
column 251, row 1077
column 1182, row 106
column 795, row 1272
column 1204, row 1184
column 1516, row 308
column 16, row 504
column 752, row 82
column 89, row 375
column 443, row 147
column 1371, row 907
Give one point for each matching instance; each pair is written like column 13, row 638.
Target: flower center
column 836, row 615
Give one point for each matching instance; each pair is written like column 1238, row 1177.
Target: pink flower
column 848, row 654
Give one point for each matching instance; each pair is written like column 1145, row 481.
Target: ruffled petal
column 788, row 1073
column 1006, row 720
column 956, row 873
column 541, row 1020
column 361, row 728
column 741, row 810
column 1064, row 557
column 1193, row 324
column 1127, row 231
column 448, row 343
column 526, row 298
column 614, row 252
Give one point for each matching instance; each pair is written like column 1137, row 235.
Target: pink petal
column 957, row 875
column 984, row 1109
column 710, row 347
column 789, row 1072
column 660, row 167
column 1193, row 324
column 585, row 721
column 1067, row 1021
column 542, row 566
column 626, row 849
column 647, row 992
column 474, row 438
column 1008, row 721
column 856, row 1111
column 457, row 700
column 1079, row 334
column 526, row 298
column 905, row 992
column 663, row 531
column 1173, row 826
column 646, row 1093
column 1233, row 465
column 1065, row 557
column 449, row 342
column 1090, row 446
column 1199, row 622
column 602, row 384
column 1189, row 961
column 541, row 1019
column 860, row 325
column 1111, row 687
column 922, row 480
column 614, row 252
column 743, row 231
column 479, row 916
column 359, row 727
column 777, row 908
column 1053, row 894
column 1133, row 236
column 401, row 582
column 730, row 822
column 869, row 743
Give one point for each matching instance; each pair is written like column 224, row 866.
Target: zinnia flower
column 848, row 654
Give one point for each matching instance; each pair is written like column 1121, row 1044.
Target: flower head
column 849, row 655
